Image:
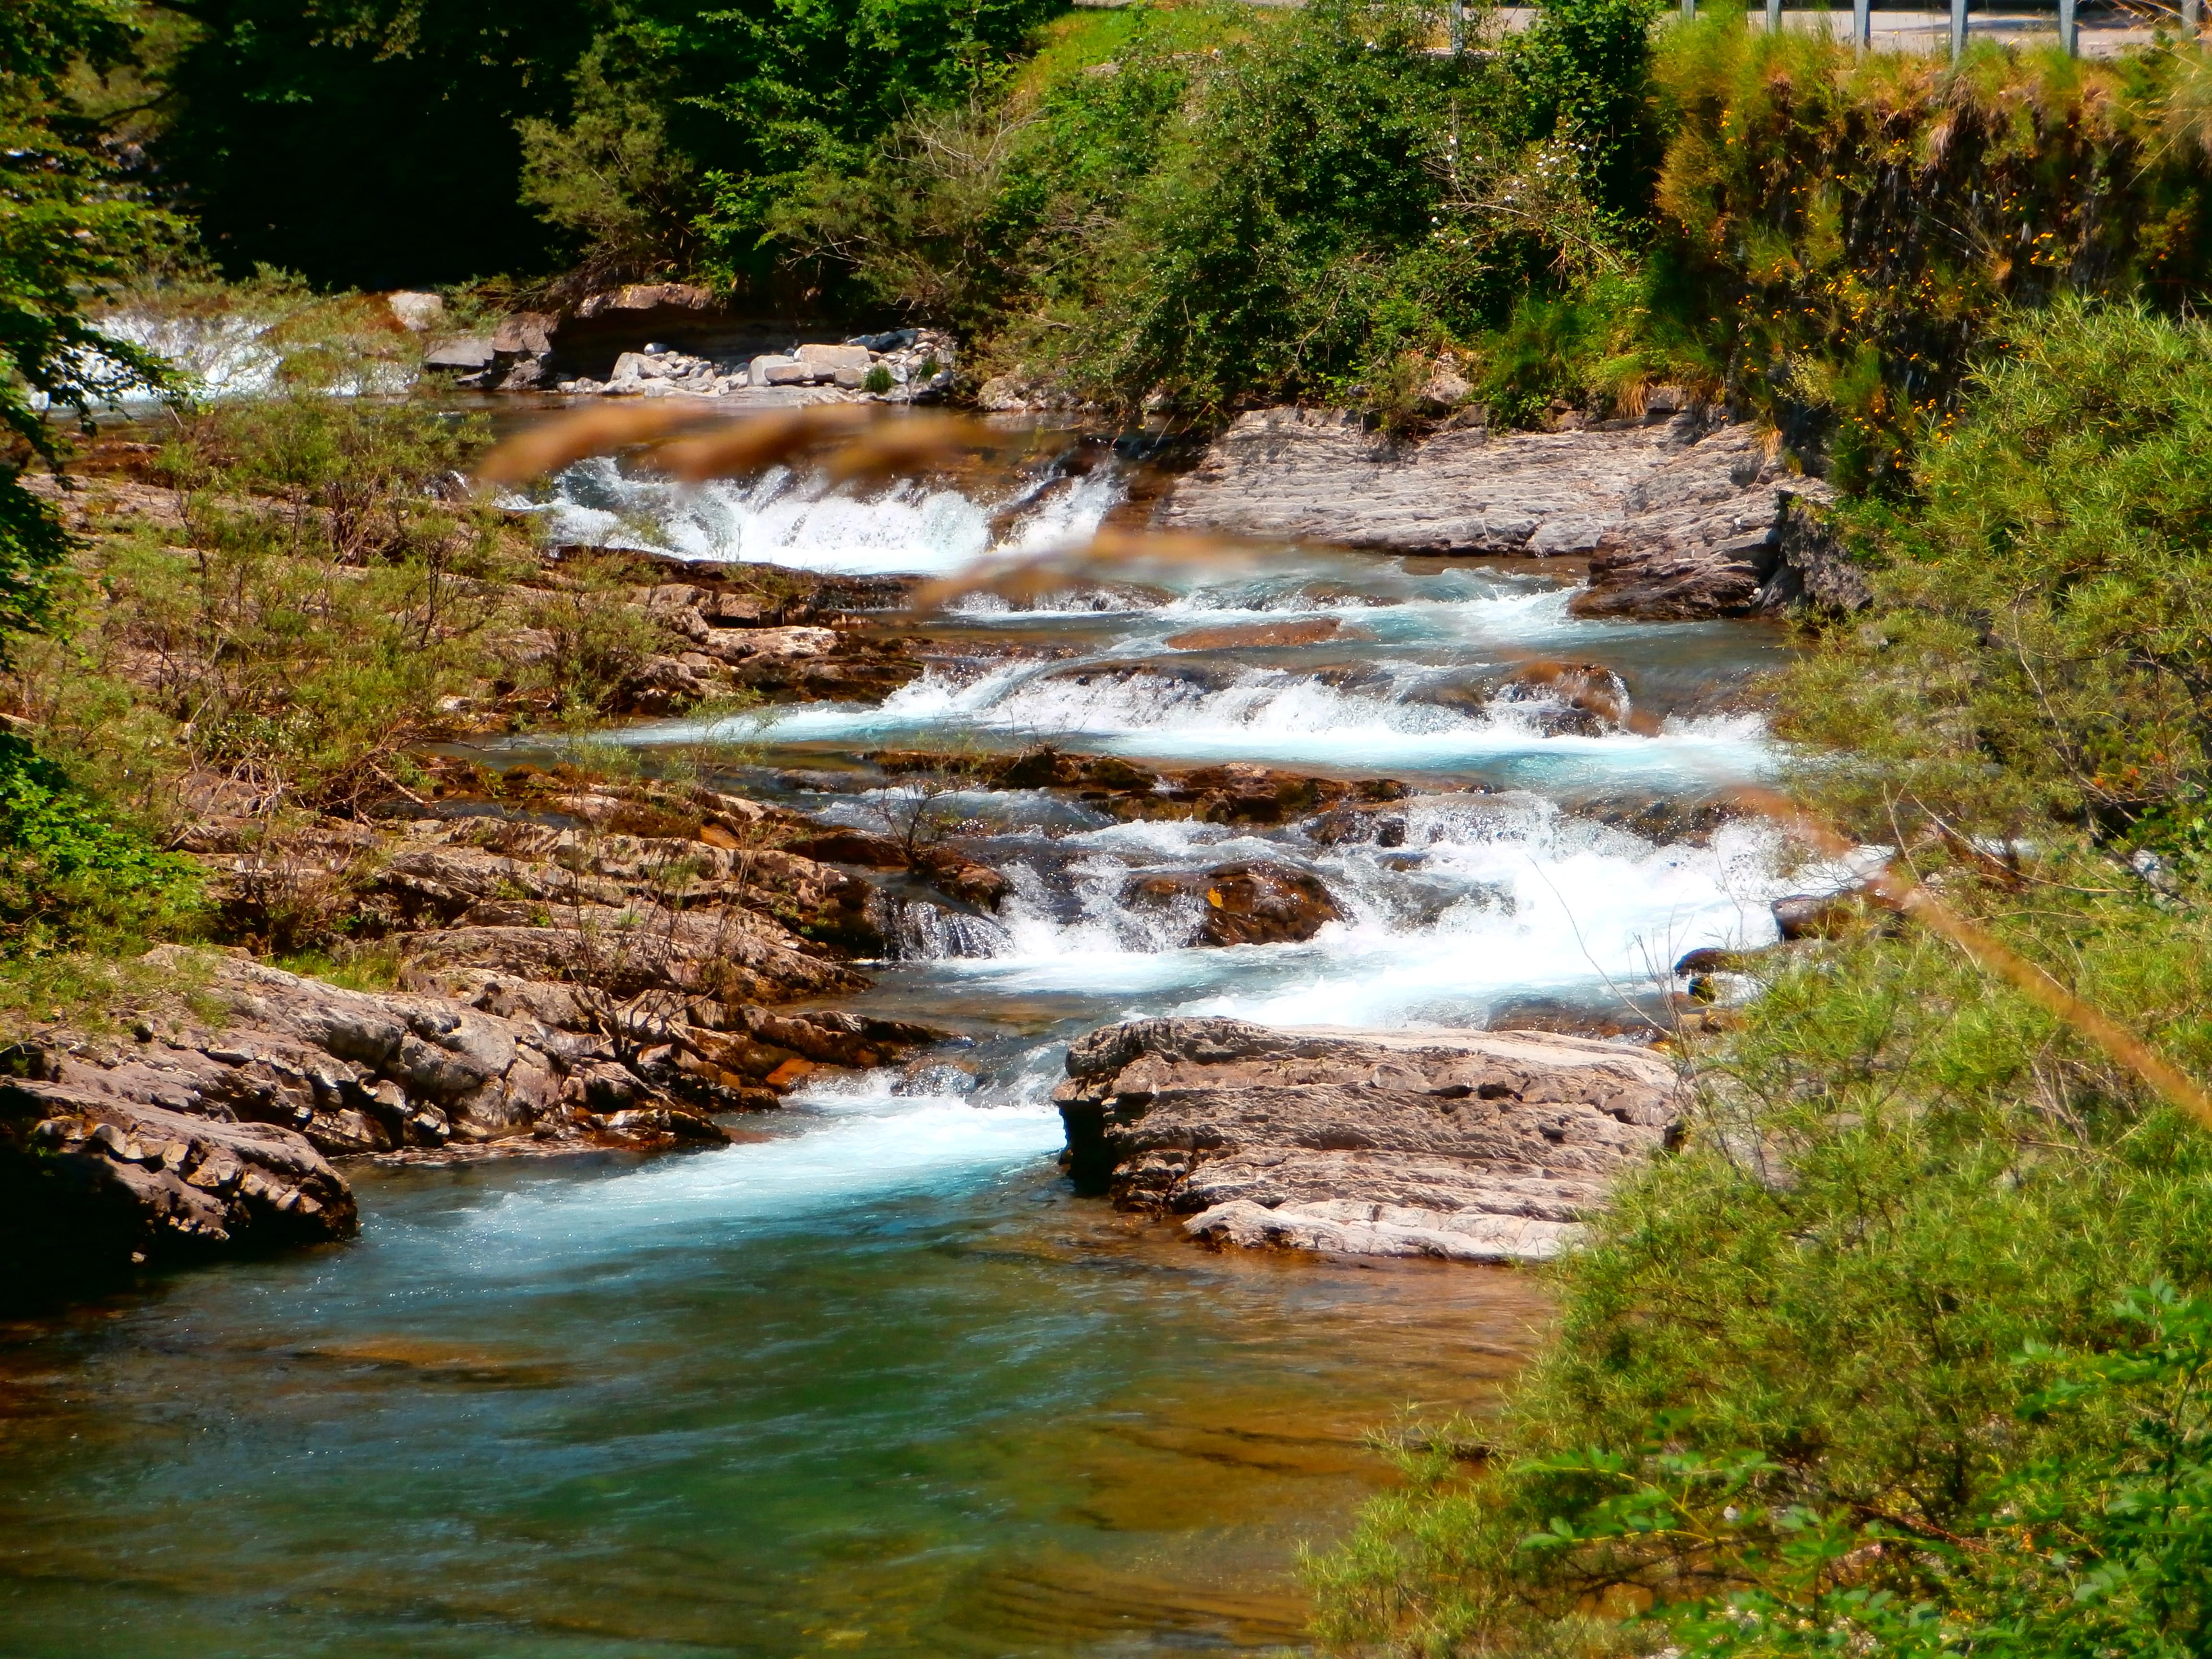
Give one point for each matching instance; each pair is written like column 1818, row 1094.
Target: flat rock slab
column 1471, row 1145
column 1679, row 518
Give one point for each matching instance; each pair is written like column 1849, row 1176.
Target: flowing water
column 872, row 1381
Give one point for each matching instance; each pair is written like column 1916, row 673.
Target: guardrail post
column 1774, row 16
column 1958, row 29
column 1456, row 19
column 1862, row 23
column 2069, row 29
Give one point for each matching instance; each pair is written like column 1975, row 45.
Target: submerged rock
column 1474, row 1145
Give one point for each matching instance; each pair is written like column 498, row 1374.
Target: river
column 874, row 1380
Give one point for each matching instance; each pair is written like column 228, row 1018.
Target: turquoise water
column 717, row 1405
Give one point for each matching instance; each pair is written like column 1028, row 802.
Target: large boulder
column 1679, row 516
column 1474, row 1145
column 93, row 1184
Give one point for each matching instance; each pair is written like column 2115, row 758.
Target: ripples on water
column 873, row 1383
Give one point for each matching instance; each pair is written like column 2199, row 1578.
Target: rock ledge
column 1470, row 1146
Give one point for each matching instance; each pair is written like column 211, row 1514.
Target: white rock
column 418, row 312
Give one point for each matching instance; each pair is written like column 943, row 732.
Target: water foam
column 1273, row 717
column 229, row 356
column 1486, row 900
column 802, row 522
column 854, row 1142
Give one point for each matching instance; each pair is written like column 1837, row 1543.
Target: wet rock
column 1474, row 1145
column 1679, row 518
column 1815, row 570
column 840, row 846
column 1258, row 902
column 1306, row 631
column 1235, row 794
column 1710, row 959
column 1576, row 699
column 953, row 873
column 1827, row 915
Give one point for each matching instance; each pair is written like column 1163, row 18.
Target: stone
column 777, row 371
column 1256, row 902
column 1825, row 915
column 1679, row 518
column 840, row 846
column 953, row 873
column 1816, row 570
column 93, row 1183
column 1569, row 699
column 648, row 296
column 416, row 312
column 736, row 645
column 1005, row 394
column 822, row 362
column 524, row 334
column 1444, row 390
column 1308, row 631
column 470, row 353
column 1470, row 1146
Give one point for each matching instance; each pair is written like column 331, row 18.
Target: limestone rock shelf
column 1470, row 1146
column 1681, row 517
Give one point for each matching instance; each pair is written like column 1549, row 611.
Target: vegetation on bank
column 1909, row 1350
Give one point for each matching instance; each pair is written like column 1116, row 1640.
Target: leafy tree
column 369, row 143
column 68, row 225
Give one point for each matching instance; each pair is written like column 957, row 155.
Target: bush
column 69, row 874
column 1843, row 231
column 1219, row 207
column 2041, row 651
column 1848, row 1374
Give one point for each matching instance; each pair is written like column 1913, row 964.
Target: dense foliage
column 1209, row 206
column 366, row 143
column 1844, row 229
column 67, row 227
column 1859, row 1370
column 643, row 135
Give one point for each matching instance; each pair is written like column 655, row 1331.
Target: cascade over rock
column 1473, row 1145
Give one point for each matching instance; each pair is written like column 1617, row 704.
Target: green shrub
column 1224, row 206
column 2041, row 648
column 69, row 230
column 69, row 873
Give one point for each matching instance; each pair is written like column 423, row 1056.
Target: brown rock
column 93, row 1184
column 953, row 873
column 1476, row 1145
column 1261, row 903
column 1679, row 518
column 1307, row 631
column 839, row 846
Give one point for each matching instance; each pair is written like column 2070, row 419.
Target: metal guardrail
column 2070, row 27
